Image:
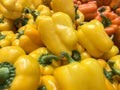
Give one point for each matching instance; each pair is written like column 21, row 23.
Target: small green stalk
column 69, row 58
column 20, row 34
column 46, row 59
column 114, row 70
column 42, row 88
column 105, row 21
column 76, row 55
column 2, row 36
column 108, row 75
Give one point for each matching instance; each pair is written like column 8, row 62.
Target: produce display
column 59, row 44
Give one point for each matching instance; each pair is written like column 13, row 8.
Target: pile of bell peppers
column 60, row 45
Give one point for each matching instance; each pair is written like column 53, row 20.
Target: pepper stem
column 108, row 75
column 76, row 14
column 69, row 58
column 76, row 55
column 7, row 74
column 4, row 74
column 42, row 88
column 105, row 20
column 114, row 70
column 46, row 59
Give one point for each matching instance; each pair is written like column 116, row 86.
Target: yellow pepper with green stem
column 16, row 67
column 28, row 38
column 48, row 68
column 94, row 39
column 111, row 84
column 84, row 75
column 59, row 34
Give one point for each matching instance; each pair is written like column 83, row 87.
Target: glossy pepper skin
column 21, row 67
column 112, row 52
column 11, row 53
column 13, row 9
column 49, row 83
column 28, row 38
column 60, row 6
column 6, row 38
column 80, row 75
column 92, row 36
column 59, row 32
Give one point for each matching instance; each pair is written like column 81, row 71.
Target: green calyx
column 114, row 70
column 46, row 59
column 42, row 88
column 7, row 74
column 105, row 20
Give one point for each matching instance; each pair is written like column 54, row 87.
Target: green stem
column 42, row 88
column 108, row 75
column 7, row 74
column 76, row 14
column 105, row 20
column 114, row 70
column 102, row 9
column 46, row 59
column 69, row 58
column 2, row 36
column 76, row 55
column 1, row 20
column 20, row 34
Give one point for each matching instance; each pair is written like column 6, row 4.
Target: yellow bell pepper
column 48, row 82
column 116, row 60
column 6, row 38
column 28, row 38
column 65, row 6
column 112, row 52
column 84, row 75
column 44, row 10
column 48, row 68
column 85, row 55
column 45, row 61
column 13, row 9
column 111, row 84
column 94, row 39
column 38, row 52
column 6, row 24
column 10, row 53
column 57, row 37
column 23, row 74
